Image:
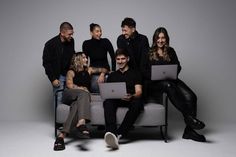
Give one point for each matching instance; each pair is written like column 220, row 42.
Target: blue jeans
column 62, row 80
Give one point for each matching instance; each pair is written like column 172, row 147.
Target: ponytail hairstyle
column 93, row 25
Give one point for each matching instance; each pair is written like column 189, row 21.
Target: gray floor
column 35, row 139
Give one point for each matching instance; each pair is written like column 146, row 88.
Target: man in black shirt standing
column 57, row 55
column 133, row 101
column 136, row 44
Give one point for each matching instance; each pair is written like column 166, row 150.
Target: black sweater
column 97, row 50
column 57, row 57
column 137, row 46
column 173, row 60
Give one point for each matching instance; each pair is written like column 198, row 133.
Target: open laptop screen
column 164, row 72
column 112, row 90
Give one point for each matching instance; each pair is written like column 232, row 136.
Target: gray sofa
column 154, row 114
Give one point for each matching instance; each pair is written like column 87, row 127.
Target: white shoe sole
column 111, row 140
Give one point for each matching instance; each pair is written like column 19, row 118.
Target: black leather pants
column 180, row 95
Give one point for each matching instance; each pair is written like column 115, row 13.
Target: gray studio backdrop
column 201, row 31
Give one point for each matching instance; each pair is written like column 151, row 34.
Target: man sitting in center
column 132, row 100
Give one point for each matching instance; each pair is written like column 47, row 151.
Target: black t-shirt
column 131, row 77
column 82, row 78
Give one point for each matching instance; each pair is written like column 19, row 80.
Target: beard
column 68, row 39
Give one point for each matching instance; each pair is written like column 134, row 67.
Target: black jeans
column 180, row 95
column 110, row 107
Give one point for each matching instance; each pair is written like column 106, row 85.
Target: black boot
column 189, row 133
column 194, row 123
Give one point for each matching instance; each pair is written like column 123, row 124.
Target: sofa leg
column 55, row 132
column 164, row 135
column 58, row 126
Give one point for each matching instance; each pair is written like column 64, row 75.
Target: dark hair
column 156, row 35
column 66, row 26
column 128, row 22
column 122, row 52
column 92, row 26
column 153, row 55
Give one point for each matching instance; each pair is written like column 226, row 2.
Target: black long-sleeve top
column 97, row 50
column 57, row 57
column 173, row 60
column 138, row 47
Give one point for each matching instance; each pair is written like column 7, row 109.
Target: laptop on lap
column 112, row 90
column 164, row 72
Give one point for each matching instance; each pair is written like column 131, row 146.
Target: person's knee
column 136, row 106
column 84, row 93
column 191, row 98
column 194, row 98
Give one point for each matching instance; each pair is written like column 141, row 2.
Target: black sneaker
column 194, row 123
column 193, row 135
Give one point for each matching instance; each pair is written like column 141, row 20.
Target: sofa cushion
column 96, row 98
column 153, row 114
column 62, row 113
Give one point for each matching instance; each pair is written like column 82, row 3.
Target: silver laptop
column 164, row 72
column 112, row 90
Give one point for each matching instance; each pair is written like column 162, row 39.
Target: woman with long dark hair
column 180, row 95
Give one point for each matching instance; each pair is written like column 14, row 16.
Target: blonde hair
column 77, row 62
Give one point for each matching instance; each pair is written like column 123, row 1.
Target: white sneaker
column 111, row 140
